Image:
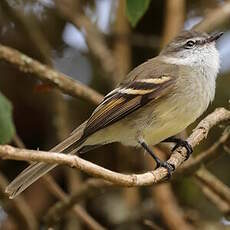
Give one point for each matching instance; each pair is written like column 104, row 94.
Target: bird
column 156, row 100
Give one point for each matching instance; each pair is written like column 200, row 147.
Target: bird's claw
column 185, row 144
column 170, row 167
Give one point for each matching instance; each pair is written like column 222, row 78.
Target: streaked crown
column 190, row 40
column 193, row 48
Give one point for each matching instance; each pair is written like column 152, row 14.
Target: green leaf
column 7, row 129
column 135, row 9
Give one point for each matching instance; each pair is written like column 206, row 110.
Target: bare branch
column 94, row 38
column 17, row 141
column 18, row 207
column 165, row 199
column 122, row 51
column 174, row 19
column 148, row 178
column 151, row 225
column 168, row 207
column 215, row 18
column 206, row 156
column 227, row 149
column 77, row 209
column 59, row 209
column 55, row 189
column 217, row 186
column 44, row 73
column 222, row 205
column 30, row 27
column 136, row 39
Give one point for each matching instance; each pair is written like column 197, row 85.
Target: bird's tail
column 36, row 170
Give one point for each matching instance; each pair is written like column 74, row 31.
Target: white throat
column 207, row 61
column 206, row 65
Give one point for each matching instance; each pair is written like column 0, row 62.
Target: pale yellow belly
column 153, row 123
column 158, row 132
column 168, row 121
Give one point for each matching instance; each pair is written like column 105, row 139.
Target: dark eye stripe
column 197, row 42
column 201, row 42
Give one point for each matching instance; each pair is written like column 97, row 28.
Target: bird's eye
column 189, row 44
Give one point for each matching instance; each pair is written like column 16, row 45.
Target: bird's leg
column 159, row 162
column 180, row 143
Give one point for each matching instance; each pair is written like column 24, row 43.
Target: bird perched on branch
column 156, row 101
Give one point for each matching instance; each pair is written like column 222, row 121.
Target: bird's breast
column 187, row 101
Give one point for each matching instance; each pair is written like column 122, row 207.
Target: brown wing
column 126, row 99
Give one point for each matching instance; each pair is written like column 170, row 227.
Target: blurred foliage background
column 98, row 42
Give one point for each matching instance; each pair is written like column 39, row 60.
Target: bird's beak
column 214, row 37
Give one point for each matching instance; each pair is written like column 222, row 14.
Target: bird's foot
column 185, row 144
column 170, row 167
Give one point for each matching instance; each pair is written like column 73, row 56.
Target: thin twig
column 151, row 225
column 227, row 149
column 77, row 209
column 18, row 208
column 168, row 207
column 206, row 156
column 17, row 141
column 212, row 187
column 44, row 73
column 59, row 209
column 214, row 184
column 55, row 189
column 122, row 51
column 222, row 205
column 31, row 28
column 72, row 12
column 215, row 18
column 174, row 19
column 136, row 39
column 148, row 178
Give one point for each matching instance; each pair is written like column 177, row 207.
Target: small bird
column 157, row 100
